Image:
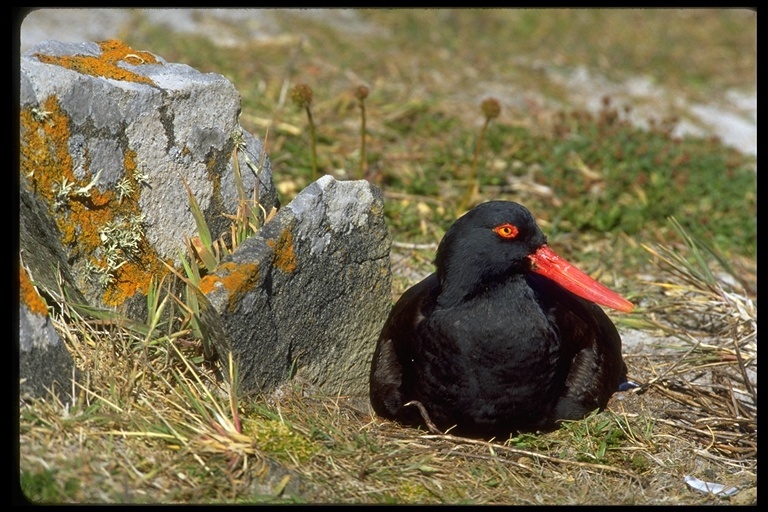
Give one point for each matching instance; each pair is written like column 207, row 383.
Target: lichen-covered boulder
column 109, row 136
column 308, row 294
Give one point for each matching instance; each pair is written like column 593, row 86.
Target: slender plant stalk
column 312, row 142
column 301, row 95
column 491, row 110
column 474, row 187
column 362, row 92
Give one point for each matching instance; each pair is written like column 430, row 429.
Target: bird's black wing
column 390, row 386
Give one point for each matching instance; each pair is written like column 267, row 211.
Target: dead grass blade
column 710, row 311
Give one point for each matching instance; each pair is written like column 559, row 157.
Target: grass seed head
column 491, row 108
column 301, row 95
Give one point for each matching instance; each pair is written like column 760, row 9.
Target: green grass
column 45, row 487
column 421, row 146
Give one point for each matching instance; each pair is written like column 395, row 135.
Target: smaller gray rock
column 45, row 365
column 307, row 295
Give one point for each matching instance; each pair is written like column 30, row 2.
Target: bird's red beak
column 547, row 263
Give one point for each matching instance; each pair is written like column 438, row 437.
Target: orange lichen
column 112, row 52
column 29, row 295
column 46, row 162
column 236, row 279
column 81, row 215
column 44, row 159
column 131, row 167
column 284, row 257
column 136, row 275
column 133, row 277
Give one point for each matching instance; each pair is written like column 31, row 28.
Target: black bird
column 504, row 337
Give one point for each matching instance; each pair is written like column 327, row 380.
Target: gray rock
column 40, row 246
column 308, row 295
column 44, row 362
column 45, row 365
column 109, row 136
column 273, row 481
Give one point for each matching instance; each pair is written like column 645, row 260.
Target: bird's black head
column 489, row 243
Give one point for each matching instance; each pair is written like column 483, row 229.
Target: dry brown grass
column 151, row 424
column 709, row 311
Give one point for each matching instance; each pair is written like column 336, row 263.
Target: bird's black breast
column 491, row 362
column 590, row 349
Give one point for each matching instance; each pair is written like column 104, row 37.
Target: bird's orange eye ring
column 508, row 231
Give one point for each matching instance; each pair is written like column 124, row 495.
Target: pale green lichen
column 121, row 239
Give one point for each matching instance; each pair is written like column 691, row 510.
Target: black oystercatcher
column 505, row 336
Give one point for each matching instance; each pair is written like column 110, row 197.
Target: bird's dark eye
column 506, row 230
